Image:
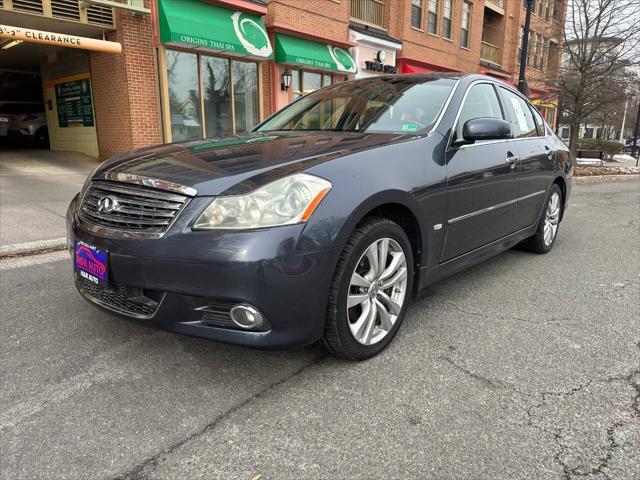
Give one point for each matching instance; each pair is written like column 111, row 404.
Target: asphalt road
column 526, row 366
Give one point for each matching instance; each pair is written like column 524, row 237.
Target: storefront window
column 245, row 95
column 217, row 96
column 303, row 82
column 222, row 82
column 184, row 96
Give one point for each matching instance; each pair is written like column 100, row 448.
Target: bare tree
column 602, row 42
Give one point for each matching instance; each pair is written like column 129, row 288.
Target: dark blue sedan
column 323, row 222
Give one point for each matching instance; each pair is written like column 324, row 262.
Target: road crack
column 140, row 472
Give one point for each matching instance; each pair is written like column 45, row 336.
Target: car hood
column 237, row 164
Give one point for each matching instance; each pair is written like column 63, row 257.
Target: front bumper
column 187, row 272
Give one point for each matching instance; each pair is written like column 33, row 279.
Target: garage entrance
column 46, row 95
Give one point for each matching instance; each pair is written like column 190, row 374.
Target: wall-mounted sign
column 379, row 67
column 58, row 39
column 73, row 100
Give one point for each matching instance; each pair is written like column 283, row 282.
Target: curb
column 606, row 178
column 33, row 248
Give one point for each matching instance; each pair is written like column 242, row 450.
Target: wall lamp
column 285, row 81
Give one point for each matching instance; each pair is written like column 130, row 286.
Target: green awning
column 206, row 26
column 300, row 51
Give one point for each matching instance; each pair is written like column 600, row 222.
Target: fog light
column 246, row 316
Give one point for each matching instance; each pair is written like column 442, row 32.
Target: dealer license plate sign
column 91, row 263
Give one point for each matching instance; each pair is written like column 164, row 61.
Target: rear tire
column 42, row 137
column 546, row 233
column 368, row 298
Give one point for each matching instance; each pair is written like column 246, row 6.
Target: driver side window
column 481, row 102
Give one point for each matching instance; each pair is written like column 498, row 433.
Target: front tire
column 370, row 290
column 544, row 238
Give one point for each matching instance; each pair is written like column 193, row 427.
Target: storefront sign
column 300, row 51
column 204, row 25
column 73, row 100
column 379, row 67
column 58, row 39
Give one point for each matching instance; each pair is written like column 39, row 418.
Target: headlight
column 283, row 202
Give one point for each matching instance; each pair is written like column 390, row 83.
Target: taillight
column 28, row 118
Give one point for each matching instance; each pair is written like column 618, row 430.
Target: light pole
column 525, row 48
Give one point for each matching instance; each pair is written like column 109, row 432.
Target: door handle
column 512, row 159
column 549, row 152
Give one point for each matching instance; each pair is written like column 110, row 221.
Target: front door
column 482, row 180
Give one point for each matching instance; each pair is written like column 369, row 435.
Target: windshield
column 385, row 105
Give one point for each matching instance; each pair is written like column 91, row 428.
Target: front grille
column 138, row 209
column 116, row 298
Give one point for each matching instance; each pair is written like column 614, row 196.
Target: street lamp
column 525, row 48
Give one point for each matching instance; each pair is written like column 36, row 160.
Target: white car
column 25, row 120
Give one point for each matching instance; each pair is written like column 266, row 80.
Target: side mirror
column 485, row 129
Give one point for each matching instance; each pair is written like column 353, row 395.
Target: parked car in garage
column 25, row 121
column 4, row 125
column 323, row 222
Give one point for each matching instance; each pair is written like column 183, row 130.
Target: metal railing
column 368, row 11
column 490, row 53
column 77, row 11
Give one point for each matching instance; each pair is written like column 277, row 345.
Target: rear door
column 482, row 180
column 536, row 157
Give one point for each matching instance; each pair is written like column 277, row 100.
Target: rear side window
column 539, row 121
column 481, row 102
column 522, row 123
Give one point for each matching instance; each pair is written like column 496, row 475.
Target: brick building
column 188, row 69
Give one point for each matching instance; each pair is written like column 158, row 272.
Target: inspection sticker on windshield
column 91, row 263
column 409, row 127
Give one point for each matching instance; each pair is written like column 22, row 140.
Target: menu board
column 75, row 108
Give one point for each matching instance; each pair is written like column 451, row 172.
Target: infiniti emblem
column 108, row 204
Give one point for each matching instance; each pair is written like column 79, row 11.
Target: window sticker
column 522, row 120
column 409, row 127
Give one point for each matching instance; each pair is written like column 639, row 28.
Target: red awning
column 408, row 65
column 493, row 73
column 414, row 69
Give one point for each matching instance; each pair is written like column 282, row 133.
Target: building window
column 184, row 96
column 564, row 133
column 447, row 19
column 464, row 27
column 210, row 96
column 416, row 13
column 303, row 82
column 216, row 88
column 556, row 10
column 534, row 64
column 433, row 17
column 588, row 132
column 246, row 100
column 540, row 7
column 547, row 10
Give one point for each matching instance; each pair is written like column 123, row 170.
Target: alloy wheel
column 377, row 291
column 551, row 219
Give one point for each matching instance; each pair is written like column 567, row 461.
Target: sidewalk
column 36, row 187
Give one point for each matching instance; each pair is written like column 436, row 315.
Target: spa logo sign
column 251, row 35
column 343, row 60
